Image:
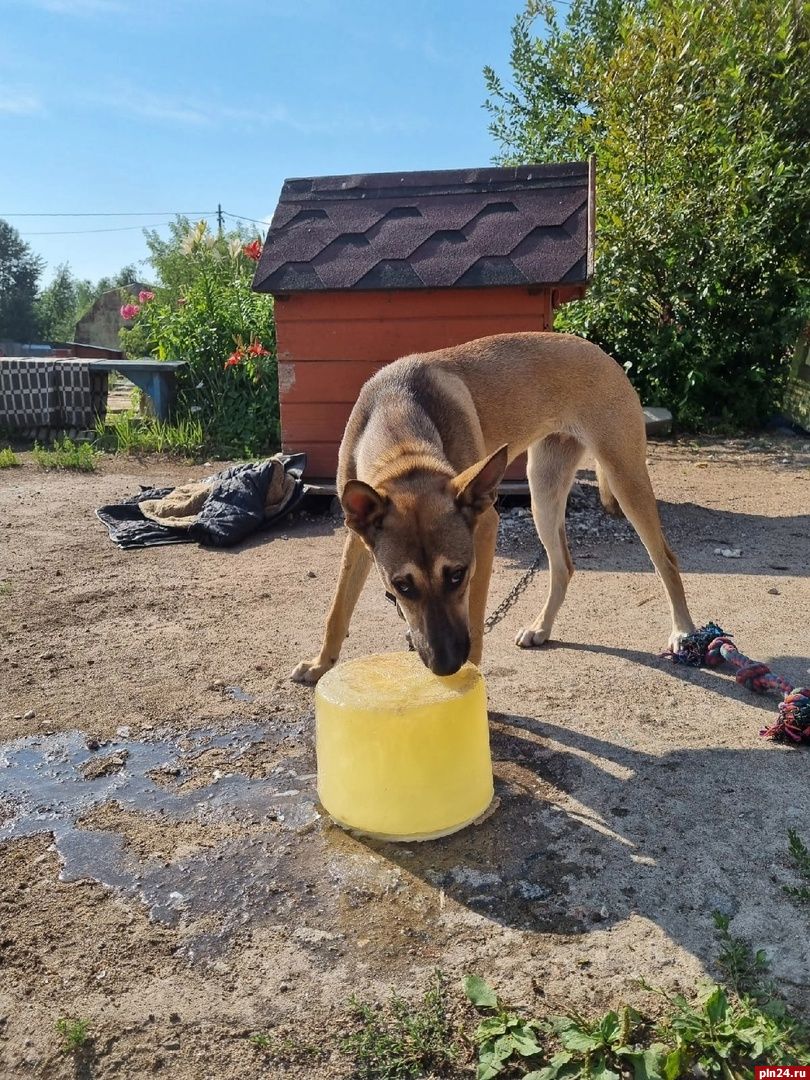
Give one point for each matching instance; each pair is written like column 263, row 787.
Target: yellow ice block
column 403, row 754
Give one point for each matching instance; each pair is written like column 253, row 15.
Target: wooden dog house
column 365, row 269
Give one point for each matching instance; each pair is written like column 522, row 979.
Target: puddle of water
column 236, row 693
column 51, row 782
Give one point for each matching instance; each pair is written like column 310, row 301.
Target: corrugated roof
column 529, row 225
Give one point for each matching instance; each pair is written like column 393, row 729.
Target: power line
column 241, row 217
column 87, row 232
column 140, row 214
column 219, row 214
column 125, row 213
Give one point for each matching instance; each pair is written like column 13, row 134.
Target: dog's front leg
column 354, row 569
column 486, row 538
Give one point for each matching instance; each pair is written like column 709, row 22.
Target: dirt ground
column 166, row 875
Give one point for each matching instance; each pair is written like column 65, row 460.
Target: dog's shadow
column 718, row 680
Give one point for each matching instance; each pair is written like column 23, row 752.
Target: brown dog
column 423, row 453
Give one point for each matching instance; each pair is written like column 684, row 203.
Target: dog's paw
column 676, row 640
column 530, row 639
column 309, row 671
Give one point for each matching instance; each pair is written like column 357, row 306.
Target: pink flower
column 129, row 311
column 181, row 300
column 144, row 296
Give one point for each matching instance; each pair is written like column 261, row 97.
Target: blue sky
column 108, row 106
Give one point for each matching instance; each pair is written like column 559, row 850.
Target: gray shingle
column 452, row 228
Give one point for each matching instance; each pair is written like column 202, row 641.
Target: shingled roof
column 530, row 225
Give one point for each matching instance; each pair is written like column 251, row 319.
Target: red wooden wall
column 330, row 343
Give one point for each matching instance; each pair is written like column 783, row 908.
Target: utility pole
column 219, row 217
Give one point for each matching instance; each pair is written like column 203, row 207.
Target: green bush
column 207, row 315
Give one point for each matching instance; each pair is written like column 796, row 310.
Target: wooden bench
column 156, row 378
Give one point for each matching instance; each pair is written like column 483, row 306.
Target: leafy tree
column 698, row 117
column 19, row 274
column 125, row 276
column 57, row 306
column 170, row 257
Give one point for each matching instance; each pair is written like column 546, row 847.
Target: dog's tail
column 609, row 500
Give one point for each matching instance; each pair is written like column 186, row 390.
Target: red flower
column 232, row 360
column 253, row 251
column 257, row 349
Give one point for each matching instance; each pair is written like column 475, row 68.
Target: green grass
column 288, row 1048
column 401, row 1041
column 801, row 859
column 128, row 433
column 74, row 1034
column 65, row 454
column 8, row 459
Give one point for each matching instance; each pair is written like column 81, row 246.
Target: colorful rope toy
column 709, row 645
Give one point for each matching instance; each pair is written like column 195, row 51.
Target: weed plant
column 74, row 1034
column 801, row 858
column 720, row 1033
column 744, row 969
column 66, row 455
column 402, row 1042
column 286, row 1049
column 127, row 433
column 8, row 459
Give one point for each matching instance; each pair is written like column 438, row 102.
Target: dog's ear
column 477, row 487
column 363, row 506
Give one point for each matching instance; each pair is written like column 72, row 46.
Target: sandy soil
column 165, row 873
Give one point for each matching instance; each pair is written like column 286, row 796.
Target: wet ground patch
column 220, row 833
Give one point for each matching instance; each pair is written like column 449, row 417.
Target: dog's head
column 420, row 530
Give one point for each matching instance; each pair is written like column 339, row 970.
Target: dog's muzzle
column 442, row 663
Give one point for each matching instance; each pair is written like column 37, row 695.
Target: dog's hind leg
column 354, row 570
column 630, row 483
column 486, row 538
column 606, row 496
column 551, row 469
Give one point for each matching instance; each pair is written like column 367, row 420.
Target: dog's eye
column 404, row 588
column 455, row 577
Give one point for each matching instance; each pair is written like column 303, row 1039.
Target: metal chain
column 511, row 597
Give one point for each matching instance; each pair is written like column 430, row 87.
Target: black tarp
column 234, row 508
